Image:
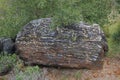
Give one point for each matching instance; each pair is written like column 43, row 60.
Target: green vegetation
column 12, row 62
column 116, row 33
column 30, row 73
column 114, row 49
column 7, row 61
column 65, row 78
column 112, row 30
column 16, row 13
column 10, row 20
column 78, row 75
column 114, row 40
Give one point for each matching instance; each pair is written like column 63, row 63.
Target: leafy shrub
column 114, row 40
column 116, row 35
column 19, row 71
column 114, row 49
column 78, row 75
column 16, row 13
column 106, row 31
column 10, row 20
column 7, row 61
column 30, row 73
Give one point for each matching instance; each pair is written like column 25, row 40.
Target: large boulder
column 6, row 45
column 75, row 46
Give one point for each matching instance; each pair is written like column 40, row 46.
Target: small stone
column 95, row 75
column 6, row 45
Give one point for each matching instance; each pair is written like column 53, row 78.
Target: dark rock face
column 76, row 46
column 6, row 45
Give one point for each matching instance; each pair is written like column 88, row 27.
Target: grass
column 114, row 44
column 30, row 73
column 78, row 75
column 20, row 72
column 7, row 61
column 114, row 49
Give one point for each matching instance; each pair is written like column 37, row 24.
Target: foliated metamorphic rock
column 75, row 46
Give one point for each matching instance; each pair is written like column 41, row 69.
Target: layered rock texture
column 75, row 46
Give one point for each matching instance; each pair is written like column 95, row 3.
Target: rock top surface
column 75, row 46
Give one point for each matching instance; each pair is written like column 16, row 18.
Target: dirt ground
column 110, row 71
